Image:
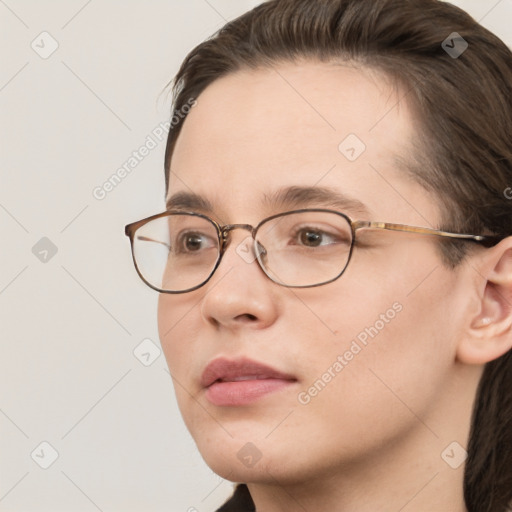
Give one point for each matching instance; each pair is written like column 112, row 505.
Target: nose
column 239, row 293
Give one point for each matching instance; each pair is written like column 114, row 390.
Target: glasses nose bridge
column 226, row 230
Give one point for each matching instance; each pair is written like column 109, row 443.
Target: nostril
column 247, row 317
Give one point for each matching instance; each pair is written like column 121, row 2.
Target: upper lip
column 229, row 370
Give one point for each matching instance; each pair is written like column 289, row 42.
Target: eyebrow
column 289, row 198
column 189, row 201
column 305, row 197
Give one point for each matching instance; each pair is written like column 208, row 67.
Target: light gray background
column 70, row 324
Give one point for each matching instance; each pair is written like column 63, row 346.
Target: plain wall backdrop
column 80, row 366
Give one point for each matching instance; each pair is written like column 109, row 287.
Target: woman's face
column 360, row 363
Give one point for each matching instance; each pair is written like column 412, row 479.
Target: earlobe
column 489, row 334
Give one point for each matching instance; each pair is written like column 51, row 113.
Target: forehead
column 306, row 124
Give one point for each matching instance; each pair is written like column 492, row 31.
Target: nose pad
column 261, row 251
column 246, row 250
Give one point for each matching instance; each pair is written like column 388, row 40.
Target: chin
column 261, row 461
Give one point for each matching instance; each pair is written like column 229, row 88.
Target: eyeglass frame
column 224, row 230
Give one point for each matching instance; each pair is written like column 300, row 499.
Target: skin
column 372, row 439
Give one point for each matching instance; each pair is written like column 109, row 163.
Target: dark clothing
column 241, row 501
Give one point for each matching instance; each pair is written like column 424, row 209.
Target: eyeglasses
column 178, row 252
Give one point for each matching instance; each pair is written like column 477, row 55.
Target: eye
column 310, row 238
column 193, row 241
column 314, row 237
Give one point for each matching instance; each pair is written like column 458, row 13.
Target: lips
column 241, row 381
column 238, row 370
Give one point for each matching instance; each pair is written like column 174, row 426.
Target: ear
column 489, row 334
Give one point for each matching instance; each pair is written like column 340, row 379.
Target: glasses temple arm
column 486, row 239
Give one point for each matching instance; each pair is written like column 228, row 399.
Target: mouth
column 241, row 381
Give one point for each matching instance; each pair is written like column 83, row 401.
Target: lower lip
column 243, row 392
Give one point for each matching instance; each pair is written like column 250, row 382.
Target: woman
column 335, row 261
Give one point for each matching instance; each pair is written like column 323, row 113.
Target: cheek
column 396, row 344
column 177, row 332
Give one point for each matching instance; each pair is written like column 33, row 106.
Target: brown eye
column 310, row 238
column 193, row 242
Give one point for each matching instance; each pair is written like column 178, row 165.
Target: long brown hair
column 463, row 145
